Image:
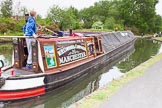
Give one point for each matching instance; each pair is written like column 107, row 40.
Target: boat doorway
column 98, row 45
column 21, row 54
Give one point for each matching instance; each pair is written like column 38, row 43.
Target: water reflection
column 76, row 90
column 160, row 50
column 112, row 74
column 6, row 52
column 145, row 49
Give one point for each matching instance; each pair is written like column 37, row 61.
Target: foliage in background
column 6, row 8
column 64, row 18
column 11, row 26
column 97, row 25
column 139, row 16
column 136, row 15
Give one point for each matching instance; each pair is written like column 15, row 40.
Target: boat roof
column 65, row 38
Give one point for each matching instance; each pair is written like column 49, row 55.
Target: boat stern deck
column 12, row 72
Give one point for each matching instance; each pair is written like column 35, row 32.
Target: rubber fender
column 1, row 64
column 2, row 81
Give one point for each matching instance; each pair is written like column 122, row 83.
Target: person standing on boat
column 24, row 42
column 30, row 31
column 26, row 20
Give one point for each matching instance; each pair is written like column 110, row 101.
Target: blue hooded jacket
column 24, row 28
column 30, row 28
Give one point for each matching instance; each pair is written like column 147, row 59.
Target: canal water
column 76, row 90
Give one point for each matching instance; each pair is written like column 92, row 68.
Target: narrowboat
column 57, row 61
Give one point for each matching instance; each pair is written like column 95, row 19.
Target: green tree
column 101, row 11
column 138, row 13
column 24, row 10
column 87, row 16
column 72, row 18
column 64, row 18
column 56, row 14
column 11, row 26
column 97, row 25
column 109, row 23
column 157, row 24
column 6, row 8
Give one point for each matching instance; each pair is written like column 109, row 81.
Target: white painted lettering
column 71, row 58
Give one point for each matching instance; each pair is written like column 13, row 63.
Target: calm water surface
column 76, row 90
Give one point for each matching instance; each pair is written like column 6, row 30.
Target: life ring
column 1, row 64
column 2, row 81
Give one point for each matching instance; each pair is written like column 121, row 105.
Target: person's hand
column 35, row 36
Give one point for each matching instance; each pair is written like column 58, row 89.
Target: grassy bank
column 96, row 98
column 146, row 36
column 158, row 38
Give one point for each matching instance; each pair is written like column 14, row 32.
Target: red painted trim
column 22, row 94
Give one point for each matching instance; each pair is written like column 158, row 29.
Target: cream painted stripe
column 40, row 58
column 23, row 83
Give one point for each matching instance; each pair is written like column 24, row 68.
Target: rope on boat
column 43, row 28
column 16, row 37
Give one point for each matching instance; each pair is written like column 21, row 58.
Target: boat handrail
column 47, row 36
column 16, row 37
column 40, row 36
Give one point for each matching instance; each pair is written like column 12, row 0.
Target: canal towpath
column 142, row 92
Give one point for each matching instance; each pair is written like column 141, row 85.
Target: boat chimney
column 70, row 31
column 12, row 72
